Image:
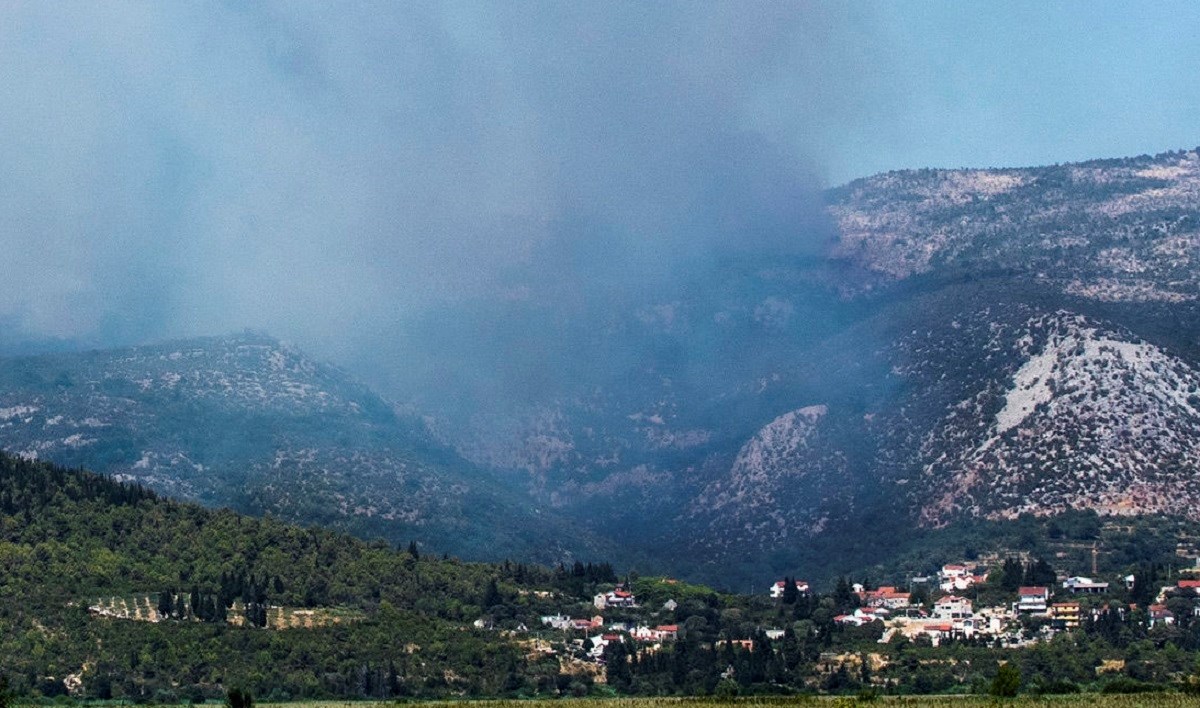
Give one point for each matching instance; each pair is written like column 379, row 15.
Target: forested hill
column 82, row 557
column 109, row 592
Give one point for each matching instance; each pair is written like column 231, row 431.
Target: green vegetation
column 109, row 592
column 1007, row 682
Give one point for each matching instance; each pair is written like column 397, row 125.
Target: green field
column 1092, row 700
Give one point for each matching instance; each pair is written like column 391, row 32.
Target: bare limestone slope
column 1091, row 419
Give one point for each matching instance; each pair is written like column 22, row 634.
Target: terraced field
column 143, row 608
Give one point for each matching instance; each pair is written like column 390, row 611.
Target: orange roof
column 667, row 628
column 1189, row 584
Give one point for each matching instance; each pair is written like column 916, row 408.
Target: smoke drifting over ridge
column 316, row 169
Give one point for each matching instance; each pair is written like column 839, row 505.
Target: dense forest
column 108, row 591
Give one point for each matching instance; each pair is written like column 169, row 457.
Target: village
column 961, row 602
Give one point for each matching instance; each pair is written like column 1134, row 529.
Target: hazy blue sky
column 318, row 169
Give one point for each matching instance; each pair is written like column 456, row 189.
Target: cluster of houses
column 950, row 616
column 1160, row 615
column 958, row 577
column 953, row 616
column 606, row 633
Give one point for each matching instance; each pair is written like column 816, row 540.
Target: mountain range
column 957, row 347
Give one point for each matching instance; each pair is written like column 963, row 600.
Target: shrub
column 1128, row 685
column 1007, row 682
column 237, row 698
column 1057, row 687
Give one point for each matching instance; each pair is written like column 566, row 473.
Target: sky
column 325, row 170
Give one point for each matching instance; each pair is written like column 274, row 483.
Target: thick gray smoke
column 321, row 169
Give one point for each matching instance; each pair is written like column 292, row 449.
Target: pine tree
column 790, row 593
column 491, row 595
column 165, row 605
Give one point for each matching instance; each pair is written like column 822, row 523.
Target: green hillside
column 72, row 539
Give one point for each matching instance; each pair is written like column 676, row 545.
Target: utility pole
column 1095, row 555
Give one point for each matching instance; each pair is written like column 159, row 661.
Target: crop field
column 1148, row 700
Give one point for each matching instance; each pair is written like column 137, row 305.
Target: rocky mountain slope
column 975, row 344
column 970, row 346
column 248, row 422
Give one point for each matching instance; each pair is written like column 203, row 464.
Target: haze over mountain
column 971, row 345
column 326, row 172
column 585, row 274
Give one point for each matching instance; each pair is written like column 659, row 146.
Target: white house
column 557, row 621
column 778, row 587
column 1032, row 599
column 952, row 607
column 1080, row 584
column 614, row 598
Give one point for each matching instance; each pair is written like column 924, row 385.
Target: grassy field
column 1150, row 700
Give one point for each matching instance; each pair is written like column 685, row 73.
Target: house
column 747, row 644
column 667, row 632
column 886, row 596
column 614, row 598
column 598, row 642
column 938, row 631
column 670, row 606
column 778, row 587
column 1193, row 585
column 774, row 633
column 872, row 614
column 954, row 577
column 1160, row 615
column 556, row 621
column 851, row 620
column 1064, row 615
column 1080, row 584
column 1032, row 599
column 952, row 607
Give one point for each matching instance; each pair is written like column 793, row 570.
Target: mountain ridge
column 765, row 402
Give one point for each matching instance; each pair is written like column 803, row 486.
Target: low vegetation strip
column 1093, row 700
